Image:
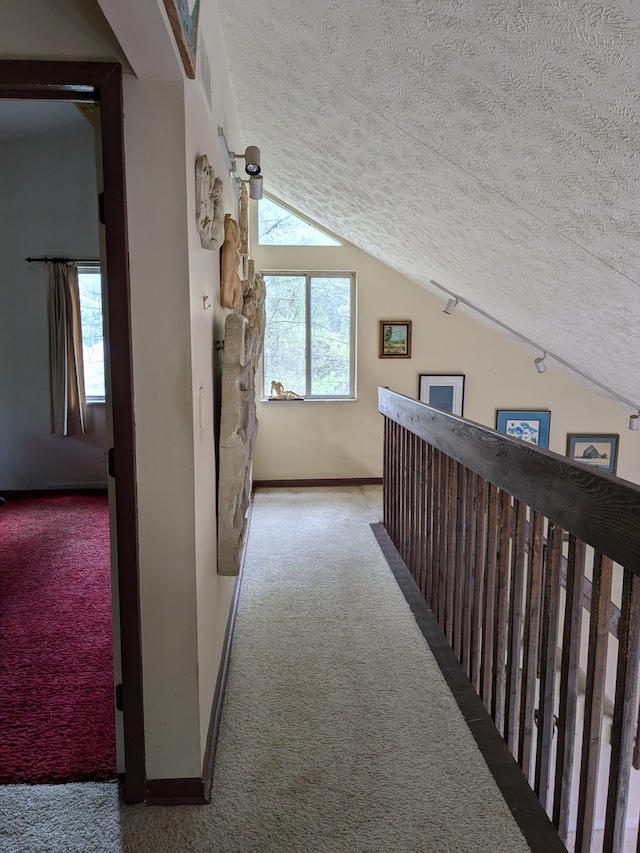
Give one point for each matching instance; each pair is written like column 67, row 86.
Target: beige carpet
column 338, row 732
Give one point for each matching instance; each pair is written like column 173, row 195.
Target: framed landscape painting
column 532, row 427
column 597, row 450
column 395, row 339
column 444, row 391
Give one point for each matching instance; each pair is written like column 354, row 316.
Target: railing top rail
column 598, row 508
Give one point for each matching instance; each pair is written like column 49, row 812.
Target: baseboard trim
column 540, row 833
column 8, row 494
column 189, row 791
column 331, row 481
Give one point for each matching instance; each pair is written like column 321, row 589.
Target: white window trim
column 92, row 267
column 308, row 275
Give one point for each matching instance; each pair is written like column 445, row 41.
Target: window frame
column 308, row 275
column 91, row 268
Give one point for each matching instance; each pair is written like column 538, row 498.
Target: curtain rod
column 61, row 260
column 542, row 349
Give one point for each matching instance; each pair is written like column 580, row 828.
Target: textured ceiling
column 491, row 145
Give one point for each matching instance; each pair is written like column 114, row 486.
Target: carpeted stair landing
column 338, row 731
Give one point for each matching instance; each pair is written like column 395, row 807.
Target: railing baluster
column 549, row 645
column 491, row 563
column 502, row 599
column 442, row 543
column 403, row 493
column 531, row 646
column 515, row 626
column 430, row 524
column 469, row 549
column 421, row 510
column 450, row 560
column 478, row 583
column 569, row 685
column 594, row 699
column 396, row 484
column 411, row 506
column 460, row 543
column 438, row 518
column 625, row 710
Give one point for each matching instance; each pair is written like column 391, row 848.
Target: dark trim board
column 175, row 792
column 15, row 494
column 101, row 82
column 331, row 481
column 540, row 833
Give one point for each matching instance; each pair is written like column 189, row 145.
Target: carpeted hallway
column 338, row 732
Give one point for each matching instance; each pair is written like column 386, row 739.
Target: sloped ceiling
column 490, row 145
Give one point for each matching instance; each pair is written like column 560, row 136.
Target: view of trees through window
column 278, row 226
column 309, row 334
column 90, row 285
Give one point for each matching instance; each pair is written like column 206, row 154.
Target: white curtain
column 66, row 374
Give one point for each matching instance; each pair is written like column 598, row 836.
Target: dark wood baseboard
column 9, row 494
column 175, row 792
column 540, row 833
column 331, row 481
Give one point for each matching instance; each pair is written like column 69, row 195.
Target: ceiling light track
column 454, row 300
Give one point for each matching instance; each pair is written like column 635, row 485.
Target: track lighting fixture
column 539, row 363
column 634, row 420
column 252, row 167
column 255, row 186
column 251, row 159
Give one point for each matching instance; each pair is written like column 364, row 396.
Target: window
column 278, row 226
column 310, row 334
column 90, row 285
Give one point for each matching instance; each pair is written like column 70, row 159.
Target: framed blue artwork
column 443, row 391
column 596, row 450
column 532, row 427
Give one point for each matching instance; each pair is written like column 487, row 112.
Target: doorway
column 101, row 83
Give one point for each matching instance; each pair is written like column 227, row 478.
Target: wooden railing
column 503, row 539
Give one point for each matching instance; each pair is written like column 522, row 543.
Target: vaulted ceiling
column 490, row 145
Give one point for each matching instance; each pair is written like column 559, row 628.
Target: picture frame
column 597, row 450
column 530, row 426
column 183, row 17
column 395, row 339
column 443, row 391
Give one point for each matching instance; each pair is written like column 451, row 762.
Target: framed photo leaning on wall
column 395, row 339
column 443, row 391
column 597, row 450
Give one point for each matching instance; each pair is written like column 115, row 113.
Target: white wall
column 344, row 439
column 48, row 206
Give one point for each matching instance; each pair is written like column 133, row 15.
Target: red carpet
column 56, row 671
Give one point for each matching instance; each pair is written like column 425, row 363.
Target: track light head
column 451, row 304
column 251, row 159
column 255, row 187
column 539, row 363
column 634, row 421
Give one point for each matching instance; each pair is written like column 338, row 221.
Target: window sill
column 308, row 400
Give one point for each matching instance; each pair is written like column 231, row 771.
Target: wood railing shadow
column 490, row 527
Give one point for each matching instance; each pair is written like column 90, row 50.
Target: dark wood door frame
column 102, row 82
